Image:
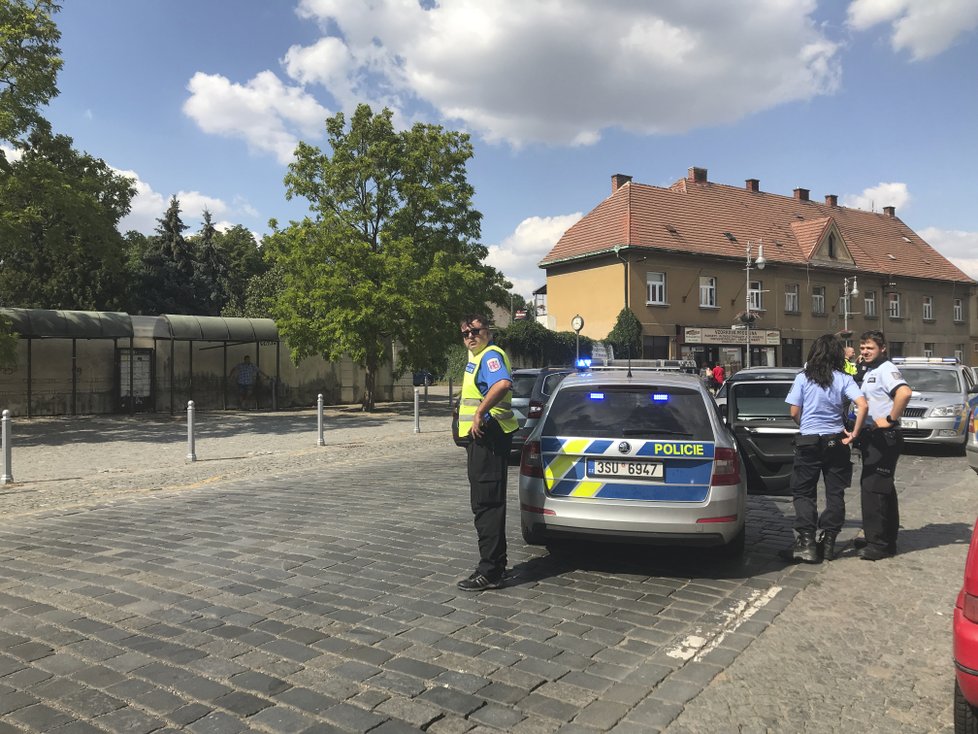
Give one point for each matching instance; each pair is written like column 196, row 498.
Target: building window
column 896, row 349
column 832, row 252
column 818, row 300
column 708, row 292
column 928, row 310
column 958, row 310
column 869, row 304
column 928, row 349
column 893, row 308
column 754, row 296
column 657, row 288
column 791, row 304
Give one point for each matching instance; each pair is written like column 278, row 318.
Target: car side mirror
column 973, row 390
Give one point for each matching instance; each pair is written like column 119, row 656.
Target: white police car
column 941, row 403
column 636, row 455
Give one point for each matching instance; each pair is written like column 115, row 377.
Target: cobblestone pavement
column 282, row 587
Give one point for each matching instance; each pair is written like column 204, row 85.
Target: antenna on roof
column 629, row 360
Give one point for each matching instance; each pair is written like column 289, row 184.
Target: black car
column 423, row 378
column 761, row 423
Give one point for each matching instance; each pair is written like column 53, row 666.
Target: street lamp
column 854, row 291
column 759, row 263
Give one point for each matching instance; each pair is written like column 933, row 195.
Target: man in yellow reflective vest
column 485, row 414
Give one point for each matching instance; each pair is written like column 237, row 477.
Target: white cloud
column 12, row 154
column 148, row 206
column 876, row 197
column 925, row 28
column 265, row 113
column 553, row 73
column 958, row 246
column 518, row 254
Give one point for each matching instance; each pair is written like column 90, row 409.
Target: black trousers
column 881, row 512
column 488, row 461
column 829, row 457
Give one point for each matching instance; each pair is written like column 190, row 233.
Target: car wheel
column 965, row 716
column 735, row 548
column 532, row 537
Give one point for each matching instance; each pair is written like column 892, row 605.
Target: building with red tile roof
column 678, row 258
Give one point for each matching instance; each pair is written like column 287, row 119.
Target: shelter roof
column 215, row 329
column 38, row 323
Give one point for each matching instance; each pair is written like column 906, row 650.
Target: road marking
column 696, row 646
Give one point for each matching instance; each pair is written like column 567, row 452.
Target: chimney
column 619, row 180
column 697, row 175
column 753, row 184
column 801, row 194
column 832, row 200
column 889, row 211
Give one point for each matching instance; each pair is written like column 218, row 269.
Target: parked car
column 966, row 645
column 942, row 401
column 754, row 373
column 532, row 388
column 633, row 455
column 756, row 413
column 423, row 379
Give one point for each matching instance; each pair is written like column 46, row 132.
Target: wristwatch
column 891, row 420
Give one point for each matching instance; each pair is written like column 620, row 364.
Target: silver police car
column 634, row 455
column 941, row 404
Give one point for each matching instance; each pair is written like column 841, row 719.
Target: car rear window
column 758, row 400
column 652, row 411
column 523, row 385
column 551, row 381
column 922, row 379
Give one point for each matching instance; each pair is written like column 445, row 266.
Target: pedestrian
column 245, row 374
column 850, row 366
column 818, row 397
column 485, row 413
column 880, row 445
column 718, row 376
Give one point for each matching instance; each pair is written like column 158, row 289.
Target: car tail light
column 726, row 467
column 970, row 608
column 536, row 409
column 531, row 462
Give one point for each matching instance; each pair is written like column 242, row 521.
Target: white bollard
column 319, row 414
column 7, row 476
column 191, row 455
column 417, row 410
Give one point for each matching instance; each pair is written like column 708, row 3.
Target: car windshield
column 523, row 384
column 759, row 401
column 923, row 379
column 651, row 411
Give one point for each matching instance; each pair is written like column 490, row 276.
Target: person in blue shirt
column 818, row 398
column 485, row 413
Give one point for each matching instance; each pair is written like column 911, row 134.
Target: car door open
column 761, row 423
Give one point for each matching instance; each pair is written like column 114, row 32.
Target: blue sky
column 875, row 101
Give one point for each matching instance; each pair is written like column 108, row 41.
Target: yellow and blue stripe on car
column 687, row 467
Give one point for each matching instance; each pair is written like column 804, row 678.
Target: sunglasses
column 472, row 332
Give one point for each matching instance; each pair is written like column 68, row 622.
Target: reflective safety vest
column 472, row 398
column 849, row 367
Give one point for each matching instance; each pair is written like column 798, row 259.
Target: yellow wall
column 595, row 292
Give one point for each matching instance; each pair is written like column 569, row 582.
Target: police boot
column 827, row 544
column 805, row 548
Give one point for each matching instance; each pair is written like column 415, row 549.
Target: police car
column 941, row 403
column 631, row 455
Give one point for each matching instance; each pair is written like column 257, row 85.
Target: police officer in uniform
column 888, row 394
column 485, row 414
column 817, row 399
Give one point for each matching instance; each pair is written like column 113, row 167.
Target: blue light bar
column 660, row 397
column 596, row 395
column 584, row 363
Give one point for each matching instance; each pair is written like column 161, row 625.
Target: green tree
column 391, row 253
column 210, row 277
column 626, row 336
column 243, row 257
column 59, row 216
column 166, row 279
column 30, row 60
column 530, row 344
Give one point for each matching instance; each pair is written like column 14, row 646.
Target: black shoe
column 826, row 544
column 872, row 553
column 859, row 543
column 805, row 549
column 479, row 582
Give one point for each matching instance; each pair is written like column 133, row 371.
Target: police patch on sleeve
column 493, row 364
column 896, row 375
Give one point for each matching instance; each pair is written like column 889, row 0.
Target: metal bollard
column 449, row 390
column 425, row 392
column 191, row 456
column 417, row 410
column 7, row 476
column 319, row 414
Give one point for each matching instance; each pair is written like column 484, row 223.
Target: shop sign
column 758, row 337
